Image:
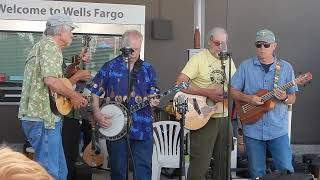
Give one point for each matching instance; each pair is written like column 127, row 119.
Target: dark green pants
column 211, row 141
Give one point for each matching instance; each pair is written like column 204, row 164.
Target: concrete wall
column 294, row 23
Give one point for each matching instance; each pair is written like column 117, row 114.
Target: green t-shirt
column 44, row 60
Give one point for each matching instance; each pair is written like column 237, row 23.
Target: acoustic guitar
column 92, row 154
column 249, row 114
column 59, row 104
column 200, row 109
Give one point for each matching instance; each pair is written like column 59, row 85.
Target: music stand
column 126, row 53
column 182, row 107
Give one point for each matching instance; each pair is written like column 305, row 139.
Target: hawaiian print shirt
column 44, row 60
column 113, row 77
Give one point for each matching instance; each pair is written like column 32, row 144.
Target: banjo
column 119, row 114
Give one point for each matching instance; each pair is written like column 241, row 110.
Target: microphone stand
column 182, row 108
column 226, row 56
column 126, row 53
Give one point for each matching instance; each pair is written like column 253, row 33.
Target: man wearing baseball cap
column 59, row 19
column 42, row 74
column 270, row 131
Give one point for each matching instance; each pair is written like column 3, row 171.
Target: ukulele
column 249, row 114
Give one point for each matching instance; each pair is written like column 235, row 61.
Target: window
column 15, row 46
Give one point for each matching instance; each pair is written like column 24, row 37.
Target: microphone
column 224, row 54
column 126, row 51
column 182, row 104
column 181, row 99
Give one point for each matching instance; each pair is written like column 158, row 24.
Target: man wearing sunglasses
column 211, row 141
column 269, row 132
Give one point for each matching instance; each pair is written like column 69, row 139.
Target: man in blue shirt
column 270, row 131
column 113, row 78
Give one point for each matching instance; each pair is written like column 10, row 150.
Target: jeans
column 48, row 148
column 256, row 151
column 141, row 153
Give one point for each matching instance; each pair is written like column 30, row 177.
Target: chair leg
column 156, row 170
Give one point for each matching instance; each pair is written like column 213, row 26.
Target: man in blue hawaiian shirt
column 113, row 78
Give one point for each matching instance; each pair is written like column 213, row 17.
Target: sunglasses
column 264, row 44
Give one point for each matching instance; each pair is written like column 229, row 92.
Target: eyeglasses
column 217, row 43
column 264, row 44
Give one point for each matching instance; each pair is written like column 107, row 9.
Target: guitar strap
column 275, row 85
column 276, row 73
column 134, row 72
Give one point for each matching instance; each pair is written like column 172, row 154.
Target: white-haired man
column 203, row 70
column 112, row 77
column 42, row 72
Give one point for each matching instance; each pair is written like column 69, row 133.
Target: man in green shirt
column 42, row 72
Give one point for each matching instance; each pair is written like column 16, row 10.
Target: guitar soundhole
column 210, row 103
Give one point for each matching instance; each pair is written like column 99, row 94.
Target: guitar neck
column 93, row 132
column 83, row 65
column 86, row 40
column 284, row 87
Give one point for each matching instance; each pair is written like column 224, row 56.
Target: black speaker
column 315, row 168
column 83, row 172
column 162, row 29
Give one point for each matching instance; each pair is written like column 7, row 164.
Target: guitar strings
column 266, row 97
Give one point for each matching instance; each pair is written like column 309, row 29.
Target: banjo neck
column 178, row 87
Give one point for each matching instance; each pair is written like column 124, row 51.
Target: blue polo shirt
column 113, row 77
column 251, row 77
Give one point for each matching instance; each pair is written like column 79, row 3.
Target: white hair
column 126, row 40
column 214, row 31
column 55, row 30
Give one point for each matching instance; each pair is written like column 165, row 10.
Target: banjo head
column 118, row 115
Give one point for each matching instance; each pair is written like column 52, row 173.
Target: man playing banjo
column 113, row 78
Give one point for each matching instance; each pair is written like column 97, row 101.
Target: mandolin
column 92, row 154
column 77, row 63
column 249, row 114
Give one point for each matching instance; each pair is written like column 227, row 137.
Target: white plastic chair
column 166, row 147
